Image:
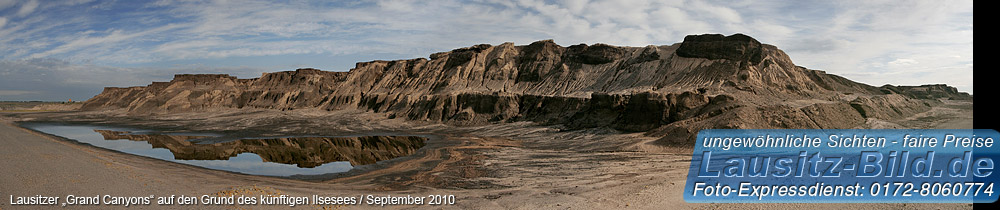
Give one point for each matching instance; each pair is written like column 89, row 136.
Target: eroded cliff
column 670, row 91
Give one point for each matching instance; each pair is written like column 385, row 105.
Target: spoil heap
column 670, row 91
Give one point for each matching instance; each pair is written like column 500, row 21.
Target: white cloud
column 903, row 62
column 27, row 8
column 680, row 22
column 766, row 31
column 849, row 38
column 114, row 37
column 576, row 6
column 724, row 14
column 880, row 42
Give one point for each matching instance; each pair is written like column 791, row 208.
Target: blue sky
column 59, row 50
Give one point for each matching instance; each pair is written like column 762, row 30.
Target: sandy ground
column 502, row 166
column 950, row 115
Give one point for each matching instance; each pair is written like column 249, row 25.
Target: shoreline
column 516, row 165
column 435, row 141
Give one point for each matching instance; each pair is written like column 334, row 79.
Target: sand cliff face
column 927, row 91
column 707, row 81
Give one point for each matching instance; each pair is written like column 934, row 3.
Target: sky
column 71, row 49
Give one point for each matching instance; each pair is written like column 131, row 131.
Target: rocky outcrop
column 936, row 91
column 190, row 92
column 888, row 107
column 707, row 81
column 737, row 47
column 305, row 152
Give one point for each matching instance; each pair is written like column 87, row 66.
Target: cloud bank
column 54, row 42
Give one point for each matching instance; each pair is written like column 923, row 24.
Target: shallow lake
column 269, row 156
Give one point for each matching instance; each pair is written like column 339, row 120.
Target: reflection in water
column 272, row 157
column 305, row 152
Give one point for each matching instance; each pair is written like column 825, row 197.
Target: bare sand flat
column 38, row 164
column 502, row 166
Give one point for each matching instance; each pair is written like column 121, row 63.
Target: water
column 269, row 156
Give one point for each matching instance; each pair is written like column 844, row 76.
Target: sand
column 502, row 166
